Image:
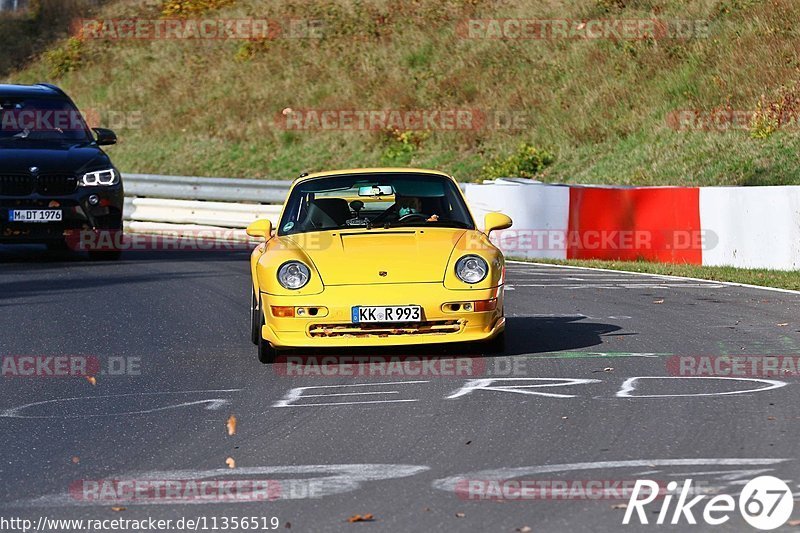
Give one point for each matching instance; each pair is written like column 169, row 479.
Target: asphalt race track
column 401, row 448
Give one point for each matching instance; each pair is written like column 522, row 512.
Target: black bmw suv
column 55, row 181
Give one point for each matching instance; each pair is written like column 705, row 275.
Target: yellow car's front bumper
column 333, row 326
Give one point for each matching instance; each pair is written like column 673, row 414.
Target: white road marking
column 629, row 386
column 211, row 404
column 577, row 316
column 546, row 266
column 296, row 394
column 621, row 285
column 487, row 385
column 452, row 482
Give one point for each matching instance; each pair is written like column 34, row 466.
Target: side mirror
column 260, row 228
column 105, row 137
column 493, row 221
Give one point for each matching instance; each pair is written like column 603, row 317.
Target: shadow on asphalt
column 526, row 335
column 30, row 254
column 36, row 287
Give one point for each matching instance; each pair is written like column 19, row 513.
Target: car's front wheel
column 111, row 255
column 59, row 245
column 255, row 320
column 266, row 352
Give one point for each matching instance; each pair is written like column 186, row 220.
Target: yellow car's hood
column 396, row 255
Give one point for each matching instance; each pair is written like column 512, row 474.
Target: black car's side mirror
column 105, row 136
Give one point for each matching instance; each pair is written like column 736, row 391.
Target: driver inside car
column 410, row 205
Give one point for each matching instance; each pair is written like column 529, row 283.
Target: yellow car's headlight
column 293, row 275
column 471, row 269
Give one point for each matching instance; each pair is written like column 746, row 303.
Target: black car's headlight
column 293, row 275
column 99, row 177
column 471, row 269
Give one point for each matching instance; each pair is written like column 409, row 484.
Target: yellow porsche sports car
column 376, row 257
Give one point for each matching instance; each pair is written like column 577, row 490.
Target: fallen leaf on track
column 92, row 380
column 524, row 529
column 784, row 324
column 76, row 459
column 661, row 301
column 118, row 509
column 231, row 425
column 230, row 462
column 460, row 515
column 620, row 506
column 361, row 518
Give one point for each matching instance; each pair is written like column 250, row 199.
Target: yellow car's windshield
column 367, row 201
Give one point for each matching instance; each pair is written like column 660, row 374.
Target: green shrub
column 772, row 115
column 65, row 58
column 249, row 49
column 526, row 162
column 401, row 146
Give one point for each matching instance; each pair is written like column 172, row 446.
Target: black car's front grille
column 16, row 185
column 45, row 185
column 56, row 184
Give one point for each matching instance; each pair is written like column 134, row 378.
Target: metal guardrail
column 219, row 214
column 188, row 204
column 211, row 189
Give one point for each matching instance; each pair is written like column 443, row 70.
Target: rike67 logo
column 765, row 503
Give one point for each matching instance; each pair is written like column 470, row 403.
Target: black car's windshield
column 41, row 119
column 374, row 200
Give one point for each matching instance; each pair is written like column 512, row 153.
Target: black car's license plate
column 35, row 215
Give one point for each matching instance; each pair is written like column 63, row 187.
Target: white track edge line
column 729, row 283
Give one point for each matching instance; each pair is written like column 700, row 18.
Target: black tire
column 266, row 352
column 59, row 245
column 255, row 320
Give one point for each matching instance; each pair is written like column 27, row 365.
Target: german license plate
column 387, row 313
column 35, row 215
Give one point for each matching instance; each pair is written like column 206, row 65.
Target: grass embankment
column 600, row 107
